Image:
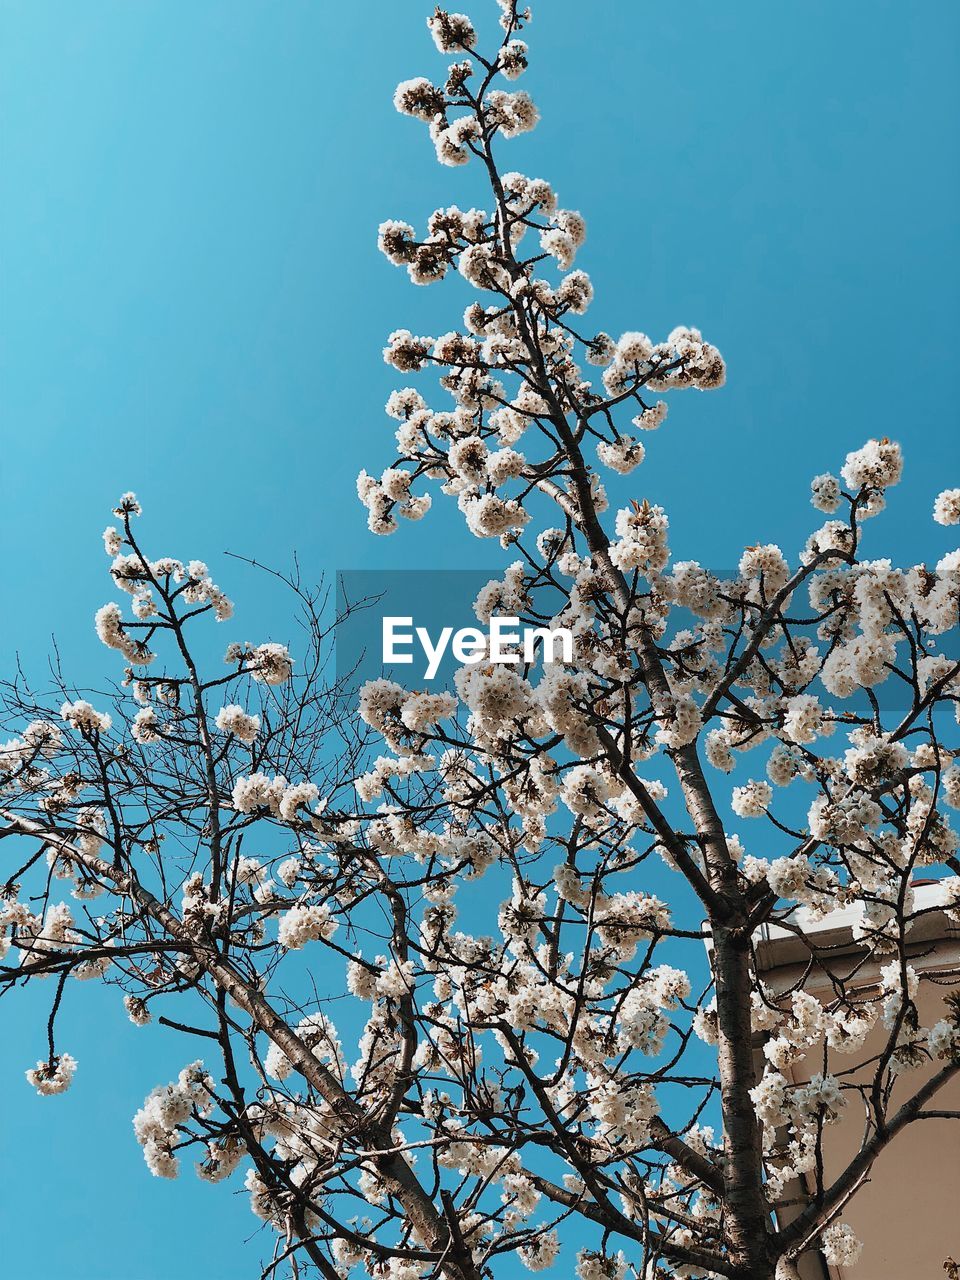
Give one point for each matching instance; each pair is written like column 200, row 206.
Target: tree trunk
column 748, row 1215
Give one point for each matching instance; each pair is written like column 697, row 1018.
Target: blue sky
column 194, row 308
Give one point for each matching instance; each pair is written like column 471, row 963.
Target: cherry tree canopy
column 231, row 846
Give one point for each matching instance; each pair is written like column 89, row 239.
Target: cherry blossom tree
column 247, row 860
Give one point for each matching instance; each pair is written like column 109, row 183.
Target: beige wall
column 908, row 1212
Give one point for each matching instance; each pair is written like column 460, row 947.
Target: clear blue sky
column 193, row 307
